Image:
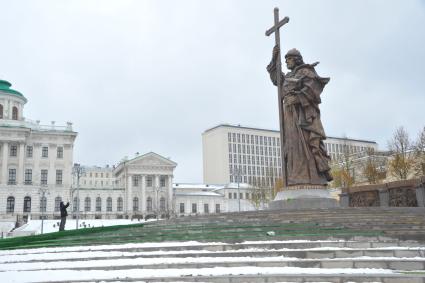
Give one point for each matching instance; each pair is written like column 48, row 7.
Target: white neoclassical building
column 139, row 187
column 34, row 158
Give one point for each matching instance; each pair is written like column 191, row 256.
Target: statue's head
column 293, row 59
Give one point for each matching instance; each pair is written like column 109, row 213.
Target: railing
column 35, row 125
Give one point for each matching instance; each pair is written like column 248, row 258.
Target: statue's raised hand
column 276, row 51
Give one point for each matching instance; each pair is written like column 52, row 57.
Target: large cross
column 275, row 29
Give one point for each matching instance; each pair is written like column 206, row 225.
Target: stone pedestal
column 303, row 197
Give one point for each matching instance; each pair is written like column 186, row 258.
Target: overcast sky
column 140, row 76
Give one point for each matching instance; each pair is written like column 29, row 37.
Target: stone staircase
column 321, row 245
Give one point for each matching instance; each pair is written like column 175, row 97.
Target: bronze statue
column 304, row 156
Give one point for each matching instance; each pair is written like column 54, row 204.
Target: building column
column 51, row 173
column 171, row 205
column 129, row 193
column 4, row 163
column 143, row 200
column 157, row 190
column 20, row 175
column 36, row 171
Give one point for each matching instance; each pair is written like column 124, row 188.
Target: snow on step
column 166, row 260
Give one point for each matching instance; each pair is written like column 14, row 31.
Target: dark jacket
column 63, row 208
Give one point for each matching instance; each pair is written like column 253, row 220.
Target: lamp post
column 77, row 170
column 237, row 175
column 157, row 188
column 43, row 204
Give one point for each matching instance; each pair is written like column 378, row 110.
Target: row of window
column 245, row 138
column 255, row 160
column 252, row 170
column 343, row 148
column 149, row 181
column 96, row 175
column 14, row 112
column 258, row 150
column 235, row 195
column 13, row 151
column 256, row 181
column 195, row 208
column 10, row 206
column 28, row 177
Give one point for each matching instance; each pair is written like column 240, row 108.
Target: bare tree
column 260, row 196
column 373, row 169
column 401, row 163
column 419, row 164
column 342, row 169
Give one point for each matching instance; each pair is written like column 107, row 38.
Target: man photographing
column 64, row 214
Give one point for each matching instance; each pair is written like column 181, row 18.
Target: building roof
column 240, row 127
column 5, row 87
column 276, row 131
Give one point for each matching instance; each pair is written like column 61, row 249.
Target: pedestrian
column 64, row 214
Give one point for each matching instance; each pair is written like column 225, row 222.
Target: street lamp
column 157, row 188
column 237, row 175
column 77, row 170
column 43, row 204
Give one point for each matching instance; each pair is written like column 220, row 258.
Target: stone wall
column 405, row 193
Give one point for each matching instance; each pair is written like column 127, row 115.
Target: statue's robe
column 307, row 162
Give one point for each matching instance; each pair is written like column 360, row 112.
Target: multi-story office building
column 35, row 160
column 252, row 155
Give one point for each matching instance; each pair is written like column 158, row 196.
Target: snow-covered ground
column 34, row 226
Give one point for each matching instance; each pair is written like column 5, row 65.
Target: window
column 58, row 177
column 235, row 196
column 98, row 204
column 59, row 152
column 119, row 204
column 230, row 195
column 136, row 181
column 182, row 204
column 43, row 204
column 57, row 203
column 87, row 204
column 206, row 208
column 162, row 204
column 27, row 204
column 45, row 152
column 217, row 208
column 194, row 208
column 43, row 179
column 12, row 177
column 28, row 177
column 29, row 151
column 149, row 204
column 247, row 195
column 1, row 111
column 162, row 181
column 135, row 204
column 109, row 204
column 149, row 181
column 14, row 113
column 76, row 204
column 13, row 150
column 10, row 206
column 241, row 195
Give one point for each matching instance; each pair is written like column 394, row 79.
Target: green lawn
column 139, row 233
